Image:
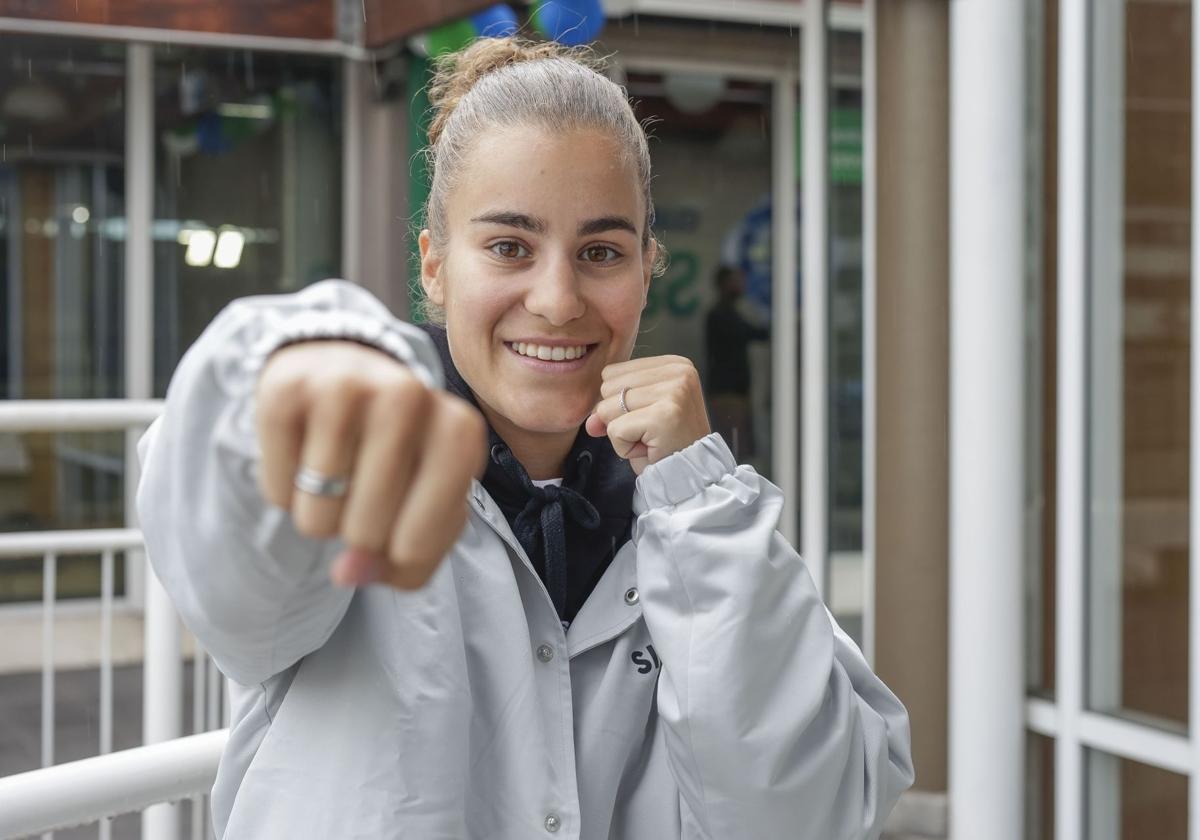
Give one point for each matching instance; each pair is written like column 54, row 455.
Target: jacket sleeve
column 254, row 592
column 775, row 725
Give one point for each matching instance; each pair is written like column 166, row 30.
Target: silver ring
column 312, row 482
column 621, row 400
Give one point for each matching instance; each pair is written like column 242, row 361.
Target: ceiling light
column 229, row 249
column 200, row 248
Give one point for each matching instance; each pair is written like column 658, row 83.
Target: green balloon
column 451, row 37
column 538, row 24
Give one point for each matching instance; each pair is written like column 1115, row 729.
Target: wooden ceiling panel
column 390, row 20
column 278, row 18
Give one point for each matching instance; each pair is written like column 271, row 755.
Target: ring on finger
column 621, row 400
column 317, row 484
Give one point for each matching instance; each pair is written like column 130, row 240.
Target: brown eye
column 599, row 253
column 508, row 249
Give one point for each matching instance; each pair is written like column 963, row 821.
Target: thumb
column 595, row 426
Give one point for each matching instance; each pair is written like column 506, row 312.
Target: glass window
column 248, row 184
column 714, row 303
column 62, row 186
column 1039, row 788
column 844, row 590
column 62, row 230
column 1139, row 416
column 1127, row 800
column 1041, row 430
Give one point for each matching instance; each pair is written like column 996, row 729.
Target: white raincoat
column 703, row 690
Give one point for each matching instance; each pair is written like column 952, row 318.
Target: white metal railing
column 77, row 415
column 82, row 792
column 51, row 545
column 163, row 658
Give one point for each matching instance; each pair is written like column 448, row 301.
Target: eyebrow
column 533, row 224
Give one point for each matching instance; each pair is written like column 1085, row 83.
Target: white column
column 987, row 274
column 785, row 385
column 1074, row 93
column 869, row 334
column 1105, row 417
column 163, row 667
column 814, row 303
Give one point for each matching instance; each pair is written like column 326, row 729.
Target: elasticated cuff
column 341, row 325
column 683, row 474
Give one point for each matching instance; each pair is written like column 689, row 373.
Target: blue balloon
column 571, row 22
column 499, row 21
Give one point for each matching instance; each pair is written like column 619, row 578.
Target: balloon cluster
column 570, row 22
column 497, row 21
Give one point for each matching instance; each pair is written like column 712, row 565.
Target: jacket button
column 631, row 596
column 545, row 653
column 553, row 823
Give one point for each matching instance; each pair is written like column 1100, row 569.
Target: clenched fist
column 663, row 410
column 347, row 411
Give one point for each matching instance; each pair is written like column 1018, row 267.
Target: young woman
column 589, row 626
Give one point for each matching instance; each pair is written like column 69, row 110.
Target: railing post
column 162, row 673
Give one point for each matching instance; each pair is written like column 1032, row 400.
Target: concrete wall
column 912, row 358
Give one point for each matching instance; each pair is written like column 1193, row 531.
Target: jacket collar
column 609, row 488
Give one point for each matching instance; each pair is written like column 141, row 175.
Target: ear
column 648, row 259
column 431, row 270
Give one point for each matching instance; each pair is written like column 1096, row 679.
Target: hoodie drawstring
column 544, row 512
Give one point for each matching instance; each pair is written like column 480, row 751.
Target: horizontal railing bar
column 82, row 792
column 82, row 541
column 77, row 415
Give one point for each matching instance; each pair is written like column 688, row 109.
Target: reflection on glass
column 1138, row 564
column 714, row 304
column 247, row 184
column 1127, row 800
column 1042, row 360
column 62, row 226
column 845, row 582
column 58, row 482
column 62, row 232
column 1039, row 788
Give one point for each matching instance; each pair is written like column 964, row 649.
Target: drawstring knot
column 543, row 515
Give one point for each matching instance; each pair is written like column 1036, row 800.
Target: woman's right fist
column 346, row 411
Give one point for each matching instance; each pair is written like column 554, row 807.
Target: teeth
column 557, row 354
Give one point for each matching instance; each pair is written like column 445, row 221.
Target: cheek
column 622, row 313
column 475, row 301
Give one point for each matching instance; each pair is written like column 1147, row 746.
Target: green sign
column 845, row 145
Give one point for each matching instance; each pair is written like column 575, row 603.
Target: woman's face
column 543, row 276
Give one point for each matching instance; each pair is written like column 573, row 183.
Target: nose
column 554, row 294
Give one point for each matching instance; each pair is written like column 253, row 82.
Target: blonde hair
column 502, row 82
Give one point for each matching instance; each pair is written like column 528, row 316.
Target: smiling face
column 542, row 274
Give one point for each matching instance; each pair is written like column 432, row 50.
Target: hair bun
column 457, row 72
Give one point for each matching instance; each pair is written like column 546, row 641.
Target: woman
column 601, row 636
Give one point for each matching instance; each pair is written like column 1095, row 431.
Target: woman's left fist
column 663, row 412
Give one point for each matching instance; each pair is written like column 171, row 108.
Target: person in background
column 727, row 338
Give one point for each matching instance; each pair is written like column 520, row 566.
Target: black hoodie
column 570, row 533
